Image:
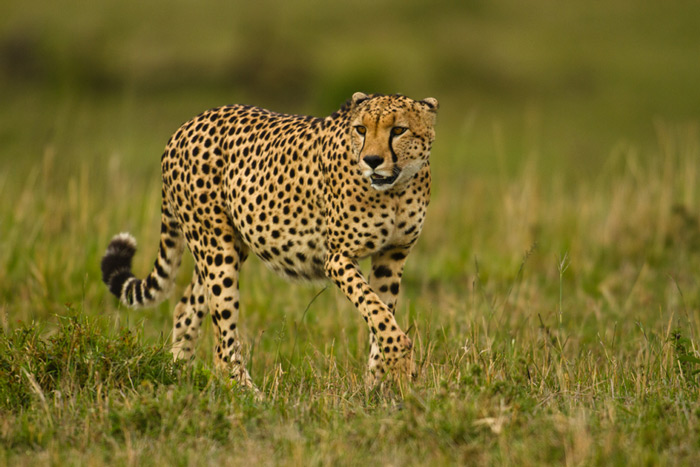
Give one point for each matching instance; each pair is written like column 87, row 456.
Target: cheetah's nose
column 373, row 161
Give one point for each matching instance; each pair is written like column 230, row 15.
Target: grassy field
column 554, row 296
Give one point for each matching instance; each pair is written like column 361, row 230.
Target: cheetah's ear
column 432, row 103
column 358, row 98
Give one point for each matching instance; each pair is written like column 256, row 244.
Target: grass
column 553, row 297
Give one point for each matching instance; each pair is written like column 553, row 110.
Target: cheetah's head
column 391, row 136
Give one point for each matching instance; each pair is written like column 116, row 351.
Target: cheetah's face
column 391, row 137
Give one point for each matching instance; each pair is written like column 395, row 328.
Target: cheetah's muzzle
column 379, row 180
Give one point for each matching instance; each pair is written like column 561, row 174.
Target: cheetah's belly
column 288, row 237
column 295, row 256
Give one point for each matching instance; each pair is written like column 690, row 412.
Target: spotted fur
column 308, row 196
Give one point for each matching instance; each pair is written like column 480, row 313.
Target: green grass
column 554, row 296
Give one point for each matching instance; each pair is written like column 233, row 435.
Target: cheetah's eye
column 360, row 129
column 398, row 130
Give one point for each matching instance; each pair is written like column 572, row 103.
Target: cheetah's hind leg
column 187, row 320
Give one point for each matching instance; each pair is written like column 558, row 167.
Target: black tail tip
column 116, row 262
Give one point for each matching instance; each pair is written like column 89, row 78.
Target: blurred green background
column 543, row 103
column 569, row 80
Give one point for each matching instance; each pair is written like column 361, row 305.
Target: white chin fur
column 382, row 187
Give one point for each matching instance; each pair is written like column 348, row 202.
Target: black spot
column 382, row 271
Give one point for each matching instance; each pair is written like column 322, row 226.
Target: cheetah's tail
column 148, row 292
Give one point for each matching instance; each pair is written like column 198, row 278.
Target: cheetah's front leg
column 385, row 280
column 394, row 345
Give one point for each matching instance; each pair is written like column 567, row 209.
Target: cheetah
column 308, row 196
